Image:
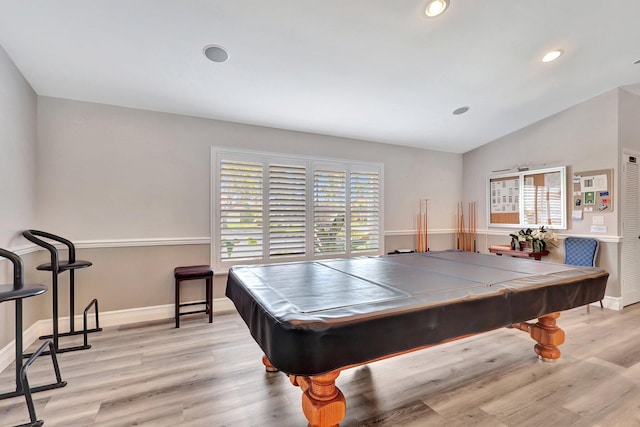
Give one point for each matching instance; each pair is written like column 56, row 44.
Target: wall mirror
column 530, row 199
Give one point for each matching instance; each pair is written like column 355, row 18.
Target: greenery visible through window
column 270, row 208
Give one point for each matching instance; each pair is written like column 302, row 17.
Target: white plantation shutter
column 529, row 200
column 365, row 211
column 287, row 216
column 329, row 211
column 543, row 203
column 240, row 210
column 555, row 203
column 549, row 205
column 270, row 208
column 630, row 230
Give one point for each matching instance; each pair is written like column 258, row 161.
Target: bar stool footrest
column 38, row 423
column 70, row 333
column 188, row 304
column 84, row 331
column 194, row 312
column 62, row 350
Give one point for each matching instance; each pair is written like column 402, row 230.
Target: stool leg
column 210, row 298
column 55, row 310
column 71, row 301
column 24, row 381
column 177, row 305
column 27, row 395
column 19, row 344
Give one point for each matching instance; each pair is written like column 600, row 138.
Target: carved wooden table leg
column 267, row 364
column 548, row 335
column 323, row 403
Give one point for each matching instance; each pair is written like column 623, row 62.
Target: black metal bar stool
column 57, row 266
column 194, row 272
column 17, row 292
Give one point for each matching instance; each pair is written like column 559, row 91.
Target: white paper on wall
column 505, row 196
column 593, row 183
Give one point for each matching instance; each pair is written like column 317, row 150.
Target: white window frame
column 311, row 164
column 520, row 177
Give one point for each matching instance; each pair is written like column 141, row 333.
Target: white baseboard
column 146, row 314
column 109, row 318
column 612, row 303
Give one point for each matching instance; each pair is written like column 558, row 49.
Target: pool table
column 314, row 319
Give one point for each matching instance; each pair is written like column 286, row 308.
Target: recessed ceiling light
column 460, row 110
column 216, row 53
column 637, row 61
column 553, row 55
column 436, row 7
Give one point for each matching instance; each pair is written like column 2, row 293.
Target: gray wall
column 18, row 190
column 583, row 137
column 18, row 160
column 629, row 120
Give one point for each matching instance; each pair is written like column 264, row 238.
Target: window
column 272, row 208
column 329, row 211
column 527, row 199
column 287, row 211
column 241, row 215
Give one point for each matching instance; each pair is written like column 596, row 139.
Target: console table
column 506, row 250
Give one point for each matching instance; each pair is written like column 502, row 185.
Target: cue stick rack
column 422, row 221
column 466, row 231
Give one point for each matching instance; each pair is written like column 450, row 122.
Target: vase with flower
column 533, row 240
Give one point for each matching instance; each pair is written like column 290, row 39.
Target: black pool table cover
column 313, row 317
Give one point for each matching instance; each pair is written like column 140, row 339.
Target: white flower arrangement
column 538, row 238
column 547, row 236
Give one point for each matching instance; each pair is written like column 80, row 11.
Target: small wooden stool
column 194, row 272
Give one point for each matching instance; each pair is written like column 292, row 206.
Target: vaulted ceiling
column 377, row 70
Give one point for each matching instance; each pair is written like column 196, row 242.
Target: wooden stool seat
column 194, row 272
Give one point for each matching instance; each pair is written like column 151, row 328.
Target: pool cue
column 426, row 225
column 470, row 225
column 464, row 235
column 458, row 227
column 419, row 247
column 472, row 214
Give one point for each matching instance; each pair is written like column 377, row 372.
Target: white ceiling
column 376, row 70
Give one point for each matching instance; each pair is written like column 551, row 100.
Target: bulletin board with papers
column 592, row 192
column 504, row 200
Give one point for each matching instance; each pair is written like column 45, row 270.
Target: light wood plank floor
column 151, row 374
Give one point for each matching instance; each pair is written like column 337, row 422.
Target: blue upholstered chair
column 581, row 251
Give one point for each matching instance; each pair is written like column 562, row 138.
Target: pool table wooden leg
column 548, row 335
column 267, row 364
column 323, row 403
